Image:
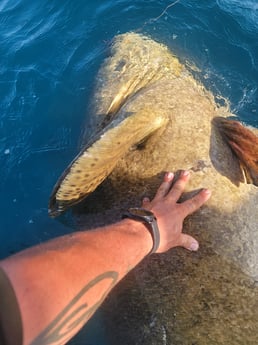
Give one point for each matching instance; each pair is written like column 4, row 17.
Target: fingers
column 193, row 204
column 179, row 186
column 189, row 242
column 174, row 193
column 165, row 186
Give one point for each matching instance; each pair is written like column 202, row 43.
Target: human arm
column 59, row 284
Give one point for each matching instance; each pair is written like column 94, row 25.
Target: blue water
column 50, row 53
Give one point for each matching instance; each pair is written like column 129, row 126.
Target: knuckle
column 162, row 189
column 192, row 205
column 177, row 189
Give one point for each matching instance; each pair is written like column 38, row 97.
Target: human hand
column 170, row 214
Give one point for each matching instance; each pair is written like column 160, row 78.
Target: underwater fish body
column 152, row 116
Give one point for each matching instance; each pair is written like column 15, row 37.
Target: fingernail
column 169, row 175
column 194, row 246
column 185, row 173
column 207, row 192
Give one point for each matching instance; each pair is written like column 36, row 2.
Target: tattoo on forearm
column 75, row 314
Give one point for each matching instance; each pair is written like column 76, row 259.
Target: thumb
column 188, row 242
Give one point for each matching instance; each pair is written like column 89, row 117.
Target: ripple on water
column 246, row 12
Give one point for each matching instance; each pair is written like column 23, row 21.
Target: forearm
column 59, row 285
column 68, row 278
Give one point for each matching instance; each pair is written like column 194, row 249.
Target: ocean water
column 50, row 53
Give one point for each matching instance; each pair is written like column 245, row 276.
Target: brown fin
column 97, row 160
column 244, row 144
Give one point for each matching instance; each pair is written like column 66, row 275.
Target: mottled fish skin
column 180, row 298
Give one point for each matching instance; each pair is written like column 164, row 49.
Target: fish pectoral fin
column 98, row 159
column 244, row 144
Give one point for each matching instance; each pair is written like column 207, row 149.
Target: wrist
column 140, row 234
column 149, row 220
